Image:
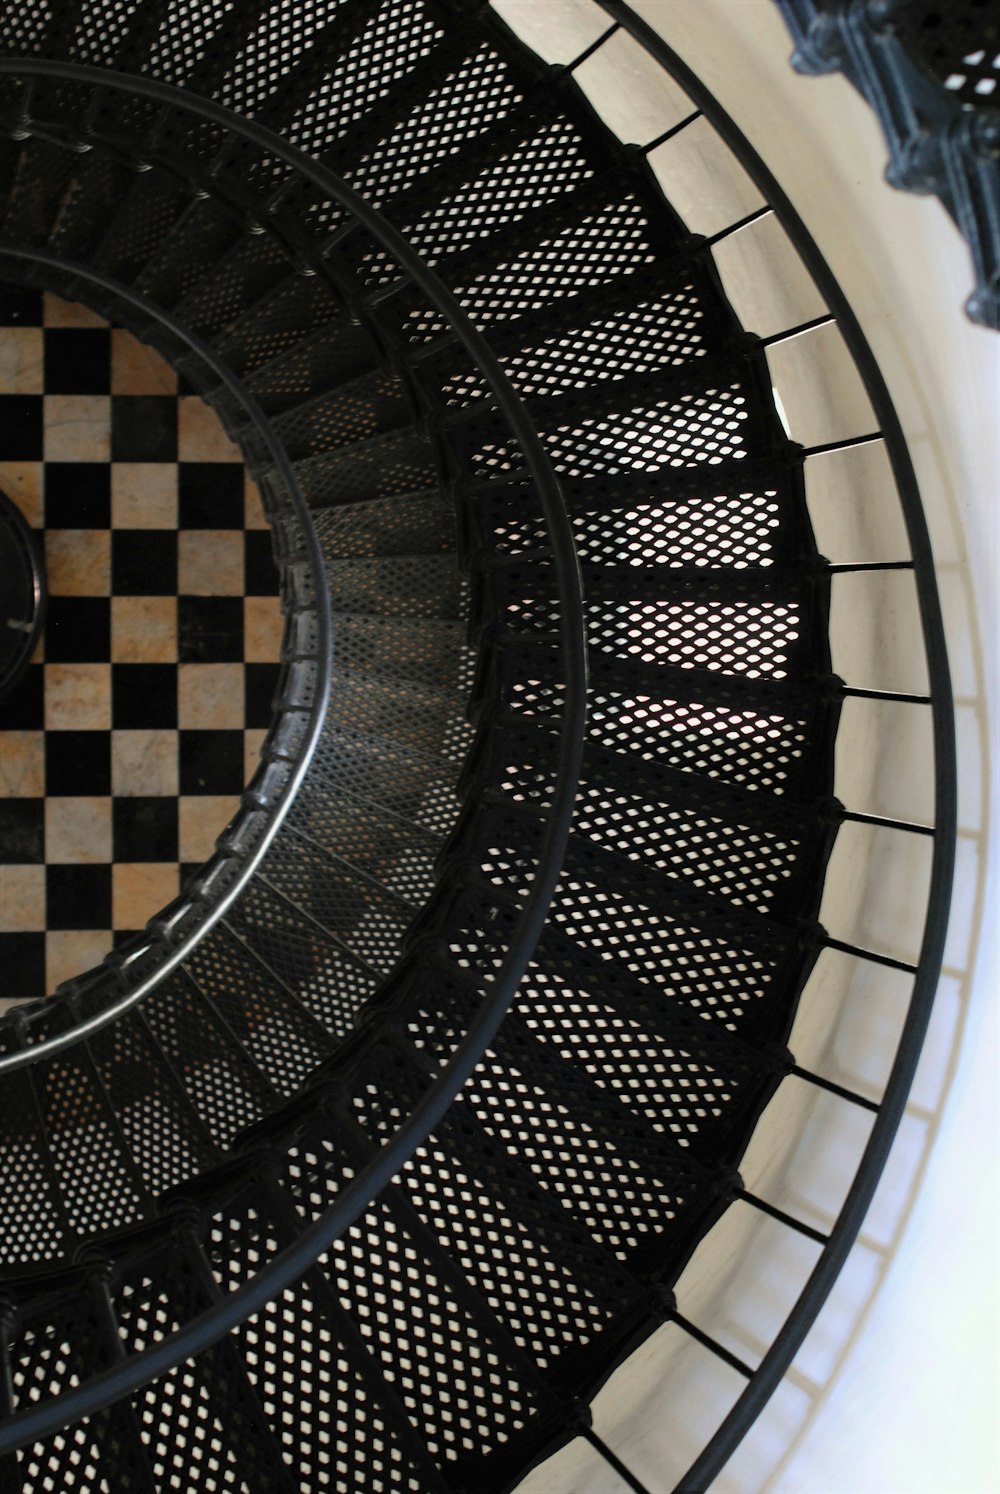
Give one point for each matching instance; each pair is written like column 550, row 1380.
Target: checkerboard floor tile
column 125, row 748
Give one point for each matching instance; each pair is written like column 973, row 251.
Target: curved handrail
column 779, row 1356
column 13, row 524
column 286, row 1266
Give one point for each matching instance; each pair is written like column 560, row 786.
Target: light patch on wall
column 781, row 412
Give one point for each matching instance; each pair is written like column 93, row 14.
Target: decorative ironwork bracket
column 938, row 142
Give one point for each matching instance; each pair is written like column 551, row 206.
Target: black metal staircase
column 291, row 1199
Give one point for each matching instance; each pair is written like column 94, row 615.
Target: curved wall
column 906, row 1401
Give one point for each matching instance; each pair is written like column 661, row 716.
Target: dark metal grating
column 368, row 1163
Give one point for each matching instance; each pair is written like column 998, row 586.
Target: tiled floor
column 125, row 748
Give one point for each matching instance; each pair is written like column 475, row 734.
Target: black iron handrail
column 779, row 1356
column 287, row 1265
column 17, row 534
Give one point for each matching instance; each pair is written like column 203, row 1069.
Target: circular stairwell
column 378, row 1153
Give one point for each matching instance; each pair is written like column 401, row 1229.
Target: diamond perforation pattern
column 390, row 46
column 472, row 100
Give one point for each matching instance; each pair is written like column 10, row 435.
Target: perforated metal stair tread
column 447, row 1336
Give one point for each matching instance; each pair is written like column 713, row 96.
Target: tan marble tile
column 210, row 563
column 253, row 740
column 77, row 831
column 77, row 427
column 144, row 495
column 22, row 482
column 262, row 629
column 22, row 360
column 22, row 900
column 143, row 763
column 60, row 313
column 139, row 889
column 78, row 562
column 201, row 820
column 210, row 697
column 200, row 437
column 253, row 509
column 137, row 368
column 77, row 697
column 22, row 764
column 143, row 630
column 70, row 952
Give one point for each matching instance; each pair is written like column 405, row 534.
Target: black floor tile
column 145, row 829
column 21, row 428
column 20, row 307
column 78, row 764
column 22, row 959
column 22, row 831
column 210, row 630
column 78, row 630
column 211, row 762
column 260, row 571
column 143, row 428
column 78, row 897
column 78, row 495
column 261, row 683
column 77, row 360
column 210, row 495
column 24, row 708
column 143, row 696
column 144, row 562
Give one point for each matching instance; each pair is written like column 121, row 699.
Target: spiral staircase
column 381, row 1149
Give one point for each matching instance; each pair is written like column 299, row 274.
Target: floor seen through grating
column 125, row 747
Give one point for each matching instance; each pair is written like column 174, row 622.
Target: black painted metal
column 22, row 587
column 319, row 1133
column 929, row 71
column 782, row 1351
column 513, row 419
